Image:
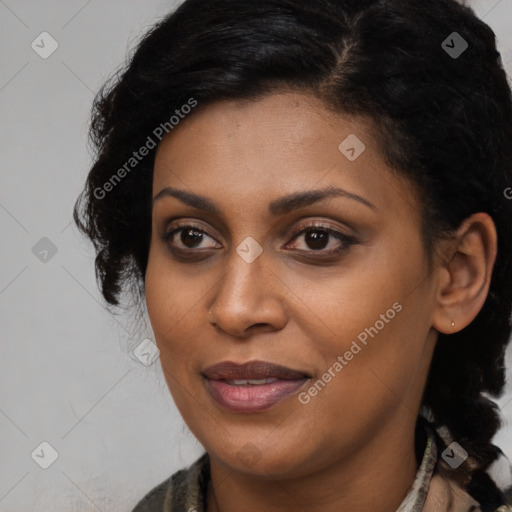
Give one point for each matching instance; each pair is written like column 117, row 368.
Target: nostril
column 260, row 326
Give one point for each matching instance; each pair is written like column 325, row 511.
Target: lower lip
column 252, row 398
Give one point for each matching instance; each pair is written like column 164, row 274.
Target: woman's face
column 298, row 247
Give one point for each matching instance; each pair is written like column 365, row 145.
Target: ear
column 465, row 273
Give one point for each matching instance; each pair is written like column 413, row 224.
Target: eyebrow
column 280, row 206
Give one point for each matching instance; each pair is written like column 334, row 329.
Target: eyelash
column 346, row 241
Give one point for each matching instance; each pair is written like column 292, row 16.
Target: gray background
column 68, row 373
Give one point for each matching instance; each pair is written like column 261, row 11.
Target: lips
column 253, row 386
column 252, row 370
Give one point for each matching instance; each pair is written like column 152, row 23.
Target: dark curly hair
column 442, row 120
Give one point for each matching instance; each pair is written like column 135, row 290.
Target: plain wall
column 68, row 374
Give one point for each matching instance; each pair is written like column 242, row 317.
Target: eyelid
column 179, row 223
column 318, row 224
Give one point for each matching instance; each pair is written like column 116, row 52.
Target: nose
column 249, row 299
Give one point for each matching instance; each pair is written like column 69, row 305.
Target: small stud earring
column 453, row 323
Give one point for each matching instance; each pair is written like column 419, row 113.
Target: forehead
column 260, row 149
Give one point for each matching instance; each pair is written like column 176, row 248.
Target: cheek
column 176, row 299
column 377, row 320
column 364, row 383
column 348, row 304
column 168, row 302
column 168, row 295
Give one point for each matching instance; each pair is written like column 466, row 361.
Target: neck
column 375, row 479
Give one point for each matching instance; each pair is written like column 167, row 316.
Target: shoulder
column 186, row 486
column 154, row 500
column 444, row 494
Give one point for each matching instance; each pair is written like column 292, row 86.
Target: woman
column 310, row 197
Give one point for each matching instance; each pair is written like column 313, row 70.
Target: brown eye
column 323, row 239
column 316, row 239
column 188, row 237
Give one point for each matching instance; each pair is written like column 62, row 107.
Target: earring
column 453, row 323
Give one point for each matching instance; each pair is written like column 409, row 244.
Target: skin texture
column 352, row 446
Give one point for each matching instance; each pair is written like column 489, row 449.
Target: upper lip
column 228, row 370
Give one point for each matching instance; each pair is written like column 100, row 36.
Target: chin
column 264, row 461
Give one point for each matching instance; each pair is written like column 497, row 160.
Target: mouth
column 253, row 386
